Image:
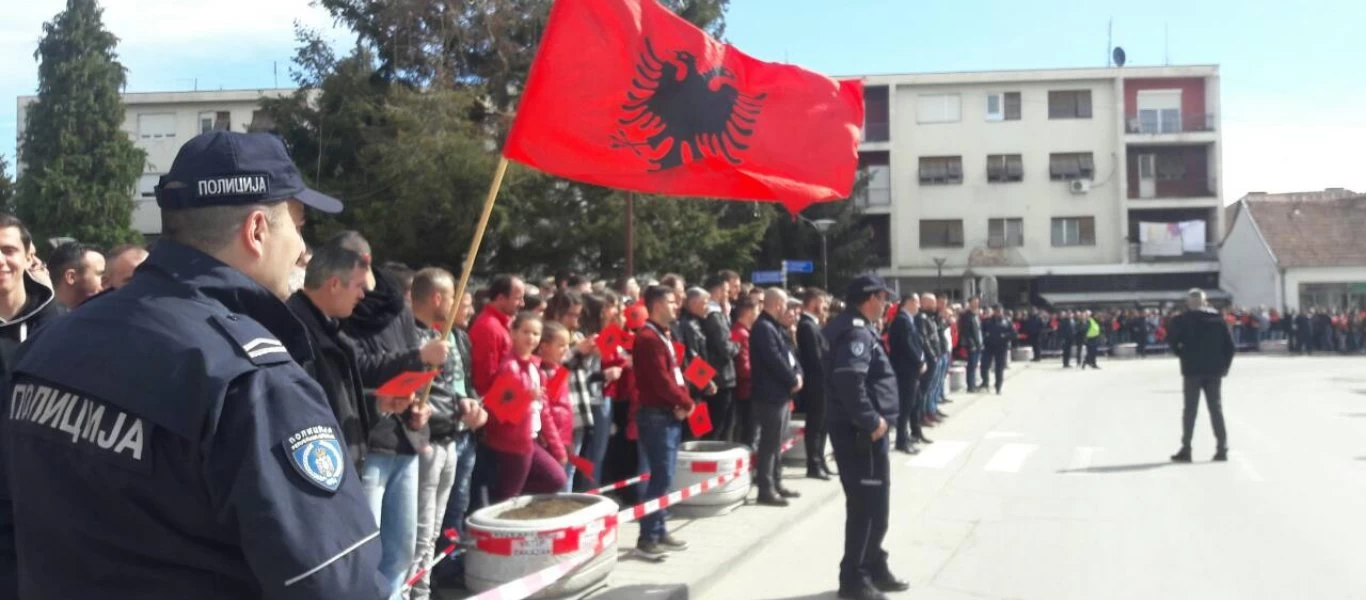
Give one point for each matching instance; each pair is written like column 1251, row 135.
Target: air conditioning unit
column 1080, row 186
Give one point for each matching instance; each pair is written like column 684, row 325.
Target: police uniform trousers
column 772, row 420
column 866, row 478
column 994, row 360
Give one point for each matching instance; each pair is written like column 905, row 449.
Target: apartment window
column 147, row 185
column 1074, row 231
column 1065, row 166
column 215, row 121
column 946, row 233
column 156, row 126
column 1069, row 104
column 1171, row 167
column 1003, row 106
column 939, row 108
column 941, row 170
column 261, row 121
column 1005, row 233
column 1002, row 168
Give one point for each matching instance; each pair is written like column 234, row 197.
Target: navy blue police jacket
column 861, row 384
column 163, row 442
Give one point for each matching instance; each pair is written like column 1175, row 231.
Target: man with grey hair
column 1204, row 343
column 776, row 377
column 691, row 330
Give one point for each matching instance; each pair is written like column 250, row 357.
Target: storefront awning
column 1145, row 297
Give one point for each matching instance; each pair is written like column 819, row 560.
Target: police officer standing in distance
column 163, row 441
column 862, row 405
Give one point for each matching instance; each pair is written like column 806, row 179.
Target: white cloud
column 1290, row 156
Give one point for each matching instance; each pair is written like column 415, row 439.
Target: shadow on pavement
column 1121, row 468
column 820, row 596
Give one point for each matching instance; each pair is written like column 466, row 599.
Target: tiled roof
column 1311, row 231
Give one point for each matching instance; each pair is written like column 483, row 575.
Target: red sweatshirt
column 744, row 371
column 490, row 343
column 659, row 379
column 560, row 410
column 516, row 438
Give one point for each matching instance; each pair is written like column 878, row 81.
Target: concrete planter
column 1022, row 354
column 797, row 455
column 958, row 378
column 700, row 461
column 1274, row 346
column 541, row 543
column 1126, row 351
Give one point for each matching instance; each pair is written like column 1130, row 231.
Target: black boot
column 814, row 471
column 1221, row 455
column 885, row 581
column 860, row 591
column 1182, row 456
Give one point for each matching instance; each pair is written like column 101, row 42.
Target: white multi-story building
column 160, row 122
column 1069, row 186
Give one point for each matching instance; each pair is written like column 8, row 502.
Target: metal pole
column 630, row 234
column 825, row 266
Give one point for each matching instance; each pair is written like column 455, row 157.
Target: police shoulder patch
column 859, row 323
column 317, row 455
column 858, row 348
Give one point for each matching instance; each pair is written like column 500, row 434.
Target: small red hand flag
column 636, row 315
column 655, row 105
column 609, row 339
column 584, row 465
column 679, row 352
column 559, row 383
column 699, row 373
column 405, row 384
column 508, row 400
column 700, row 420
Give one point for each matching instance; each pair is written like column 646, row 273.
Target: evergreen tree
column 6, row 186
column 80, row 168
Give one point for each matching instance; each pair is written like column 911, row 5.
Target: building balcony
column 874, row 199
column 875, row 132
column 1157, row 123
column 1152, row 254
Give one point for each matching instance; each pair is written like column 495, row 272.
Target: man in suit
column 907, row 351
column 970, row 339
column 812, row 349
column 776, row 377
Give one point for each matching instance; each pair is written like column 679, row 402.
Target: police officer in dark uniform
column 862, row 404
column 163, row 441
column 997, row 334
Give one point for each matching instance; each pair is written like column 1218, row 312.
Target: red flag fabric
column 680, row 352
column 636, row 315
column 559, row 382
column 653, row 104
column 609, row 339
column 700, row 420
column 507, row 400
column 699, row 373
column 583, row 465
column 405, row 384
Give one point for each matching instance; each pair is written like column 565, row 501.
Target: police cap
column 224, row 168
column 864, row 286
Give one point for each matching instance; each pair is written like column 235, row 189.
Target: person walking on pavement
column 997, row 333
column 776, row 376
column 811, row 355
column 1067, row 334
column 1205, row 346
column 907, row 352
column 863, row 403
column 970, row 339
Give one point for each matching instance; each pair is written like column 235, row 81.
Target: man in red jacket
column 664, row 405
column 490, row 339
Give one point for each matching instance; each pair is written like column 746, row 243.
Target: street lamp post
column 823, row 227
column 939, row 275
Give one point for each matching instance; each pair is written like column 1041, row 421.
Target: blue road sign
column 799, row 266
column 766, row 277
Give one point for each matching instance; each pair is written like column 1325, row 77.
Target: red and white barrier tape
column 640, row 510
column 619, row 485
column 454, row 539
column 518, row 589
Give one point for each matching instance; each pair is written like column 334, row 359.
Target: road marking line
column 1251, row 473
column 937, row 455
column 1010, row 457
column 1081, row 460
column 991, row 435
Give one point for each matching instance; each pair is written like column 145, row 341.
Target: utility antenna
column 275, row 72
column 1166, row 44
column 1109, row 41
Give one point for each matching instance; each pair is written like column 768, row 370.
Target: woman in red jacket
column 531, row 457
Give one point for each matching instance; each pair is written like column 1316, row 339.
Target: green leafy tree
column 80, row 168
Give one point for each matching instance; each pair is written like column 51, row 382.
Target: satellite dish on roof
column 1119, row 56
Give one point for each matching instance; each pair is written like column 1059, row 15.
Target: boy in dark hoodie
column 25, row 303
column 1204, row 343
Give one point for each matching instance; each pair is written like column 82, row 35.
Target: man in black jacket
column 1067, row 333
column 907, row 351
column 927, row 324
column 721, row 356
column 970, row 339
column 777, row 376
column 385, row 338
column 689, row 329
column 812, row 349
column 997, row 333
column 333, row 284
column 25, row 303
column 1202, row 340
column 1302, row 333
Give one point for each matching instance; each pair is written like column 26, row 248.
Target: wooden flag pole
column 469, row 259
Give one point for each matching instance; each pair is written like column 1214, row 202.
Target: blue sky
column 1291, row 83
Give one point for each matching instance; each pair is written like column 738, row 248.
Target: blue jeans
column 941, row 367
column 390, row 483
column 459, row 502
column 974, row 359
column 660, row 435
column 595, row 442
